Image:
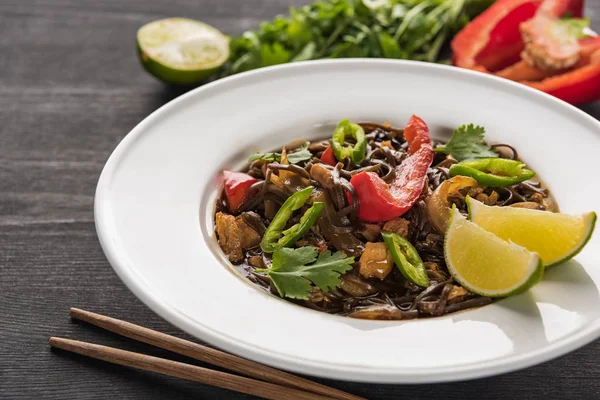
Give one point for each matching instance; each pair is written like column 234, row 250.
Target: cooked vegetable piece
column 276, row 236
column 293, row 271
column 407, row 258
column 327, row 156
column 296, row 157
column 356, row 286
column 376, row 261
column 494, row 172
column 331, row 227
column 237, row 186
column 322, row 175
column 342, row 151
column 294, row 233
column 438, row 206
column 382, row 202
column 458, row 294
column 466, row 143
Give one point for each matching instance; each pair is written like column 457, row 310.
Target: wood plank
column 70, row 90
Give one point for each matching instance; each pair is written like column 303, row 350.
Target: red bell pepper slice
column 492, row 41
column 382, row 202
column 523, row 72
column 237, row 186
column 578, row 86
column 327, row 157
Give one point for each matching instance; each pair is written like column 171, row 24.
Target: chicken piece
column 458, row 294
column 376, row 261
column 378, row 311
column 229, row 237
column 356, row 286
column 248, row 236
column 549, row 45
column 235, row 235
column 398, row 226
column 371, row 232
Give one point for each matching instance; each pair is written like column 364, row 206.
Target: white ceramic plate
column 155, row 198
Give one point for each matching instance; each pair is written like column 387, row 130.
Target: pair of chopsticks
column 270, row 383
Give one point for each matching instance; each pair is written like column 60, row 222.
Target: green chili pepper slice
column 275, row 236
column 293, row 234
column 344, row 129
column 406, row 258
column 493, row 172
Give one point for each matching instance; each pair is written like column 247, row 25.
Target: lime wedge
column 555, row 237
column 485, row 264
column 181, row 50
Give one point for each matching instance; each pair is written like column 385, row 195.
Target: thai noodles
column 357, row 224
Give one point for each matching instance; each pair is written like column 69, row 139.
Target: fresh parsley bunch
column 400, row 29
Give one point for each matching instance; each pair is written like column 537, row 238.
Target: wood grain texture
column 70, row 89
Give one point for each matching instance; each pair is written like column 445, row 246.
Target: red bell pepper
column 237, row 186
column 492, row 41
column 382, row 202
column 523, row 72
column 578, row 86
column 327, row 157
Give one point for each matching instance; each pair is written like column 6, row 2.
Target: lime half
column 485, row 264
column 555, row 237
column 181, row 50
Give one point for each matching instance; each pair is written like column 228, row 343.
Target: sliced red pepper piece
column 494, row 35
column 492, row 41
column 237, row 186
column 382, row 202
column 578, row 86
column 522, row 71
column 327, row 157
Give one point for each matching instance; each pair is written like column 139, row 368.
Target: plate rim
column 348, row 373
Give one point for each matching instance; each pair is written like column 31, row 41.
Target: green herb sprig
column 400, row 29
column 467, row 143
column 295, row 270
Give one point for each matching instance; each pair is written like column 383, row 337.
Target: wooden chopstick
column 208, row 355
column 184, row 371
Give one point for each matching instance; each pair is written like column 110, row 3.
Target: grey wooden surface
column 70, row 89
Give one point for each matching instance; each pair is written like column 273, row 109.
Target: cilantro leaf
column 298, row 156
column 273, row 55
column 293, row 270
column 467, row 142
column 301, row 154
column 407, row 29
column 268, row 157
